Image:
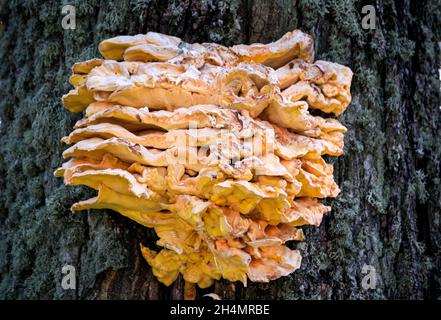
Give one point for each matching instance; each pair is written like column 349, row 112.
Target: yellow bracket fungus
column 216, row 148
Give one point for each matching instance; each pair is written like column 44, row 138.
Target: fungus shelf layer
column 214, row 147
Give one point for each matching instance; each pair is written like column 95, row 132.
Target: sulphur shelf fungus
column 217, row 148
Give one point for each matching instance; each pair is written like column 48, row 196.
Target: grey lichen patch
column 399, row 47
column 346, row 17
column 420, row 185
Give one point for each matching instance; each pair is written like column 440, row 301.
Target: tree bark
column 387, row 215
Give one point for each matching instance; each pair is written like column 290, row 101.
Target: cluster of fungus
column 217, row 148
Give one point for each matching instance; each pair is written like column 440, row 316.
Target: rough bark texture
column 387, row 216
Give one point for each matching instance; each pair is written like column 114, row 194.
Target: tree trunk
column 387, row 215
